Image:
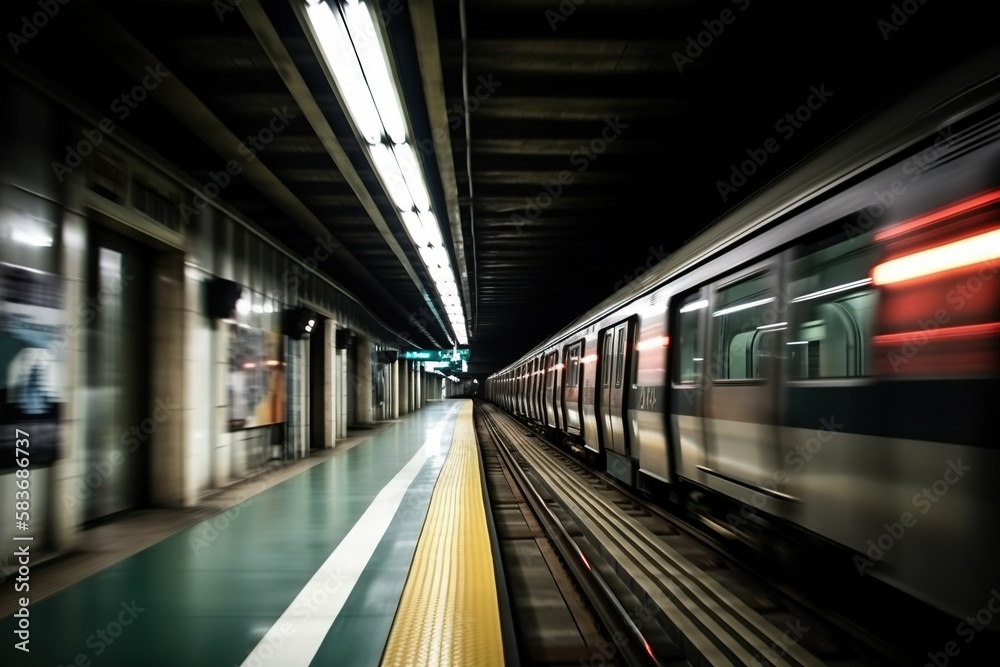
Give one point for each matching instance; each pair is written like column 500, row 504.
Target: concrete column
column 394, row 381
column 342, row 388
column 404, row 387
column 330, row 387
column 168, row 446
column 419, row 395
column 363, row 384
column 413, row 386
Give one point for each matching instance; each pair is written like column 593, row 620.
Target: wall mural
column 256, row 378
column 32, row 361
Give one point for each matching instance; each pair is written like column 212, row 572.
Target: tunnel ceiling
column 594, row 140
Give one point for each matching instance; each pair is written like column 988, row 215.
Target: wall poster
column 32, row 361
column 256, row 378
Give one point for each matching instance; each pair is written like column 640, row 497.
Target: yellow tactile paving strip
column 449, row 613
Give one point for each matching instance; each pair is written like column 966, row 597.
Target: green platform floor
column 207, row 595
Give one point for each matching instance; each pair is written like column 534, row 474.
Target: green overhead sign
column 436, row 355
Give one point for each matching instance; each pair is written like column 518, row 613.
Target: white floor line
column 296, row 636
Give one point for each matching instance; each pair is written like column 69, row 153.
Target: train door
column 536, row 390
column 549, row 395
column 526, row 389
column 614, row 375
column 571, row 388
column 532, row 392
column 688, row 379
column 746, row 328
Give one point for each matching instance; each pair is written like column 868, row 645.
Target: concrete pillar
column 363, row 383
column 413, row 386
column 419, row 396
column 342, row 388
column 404, row 387
column 394, row 381
column 167, row 446
column 330, row 403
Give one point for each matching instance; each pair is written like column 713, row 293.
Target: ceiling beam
column 425, row 35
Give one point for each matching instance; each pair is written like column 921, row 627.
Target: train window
column 690, row 358
column 606, row 358
column 574, row 366
column 620, row 361
column 746, row 322
column 831, row 311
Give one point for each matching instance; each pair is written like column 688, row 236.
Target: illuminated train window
column 747, row 327
column 689, row 361
column 831, row 312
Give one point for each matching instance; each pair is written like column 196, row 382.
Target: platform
column 309, row 571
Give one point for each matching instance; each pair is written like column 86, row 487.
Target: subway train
column 825, row 356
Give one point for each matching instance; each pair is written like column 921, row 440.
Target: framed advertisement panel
column 256, row 378
column 32, row 360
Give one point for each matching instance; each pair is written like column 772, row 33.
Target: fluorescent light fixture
column 832, row 290
column 439, row 257
column 427, row 256
column 413, row 175
column 388, row 169
column 373, row 59
column 335, row 42
column 432, row 229
column 797, row 342
column 697, row 305
column 441, row 275
column 415, row 228
column 242, row 306
column 742, row 306
column 350, row 37
column 776, row 325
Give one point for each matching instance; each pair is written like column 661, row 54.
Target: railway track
column 658, row 593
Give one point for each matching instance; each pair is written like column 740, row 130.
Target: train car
column 826, row 355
